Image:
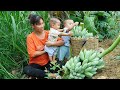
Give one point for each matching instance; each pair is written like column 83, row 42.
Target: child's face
column 69, row 23
column 56, row 25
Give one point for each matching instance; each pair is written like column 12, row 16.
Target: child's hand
column 76, row 23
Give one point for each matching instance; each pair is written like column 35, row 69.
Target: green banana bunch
column 84, row 65
column 72, row 69
column 80, row 32
column 91, row 62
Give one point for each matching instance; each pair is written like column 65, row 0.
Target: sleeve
column 30, row 46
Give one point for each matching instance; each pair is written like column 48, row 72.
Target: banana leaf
column 89, row 24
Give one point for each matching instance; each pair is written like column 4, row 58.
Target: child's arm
column 65, row 34
column 60, row 30
column 71, row 27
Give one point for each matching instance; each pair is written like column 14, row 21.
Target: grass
column 13, row 32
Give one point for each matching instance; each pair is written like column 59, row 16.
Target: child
column 64, row 51
column 54, row 33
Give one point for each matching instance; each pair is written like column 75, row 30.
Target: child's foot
column 53, row 62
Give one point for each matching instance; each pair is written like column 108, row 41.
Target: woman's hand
column 40, row 48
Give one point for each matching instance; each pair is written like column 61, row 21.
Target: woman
column 38, row 58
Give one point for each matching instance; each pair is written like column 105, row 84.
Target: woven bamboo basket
column 78, row 44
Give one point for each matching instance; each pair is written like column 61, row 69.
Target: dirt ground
column 112, row 65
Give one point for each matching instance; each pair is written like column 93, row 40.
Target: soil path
column 112, row 66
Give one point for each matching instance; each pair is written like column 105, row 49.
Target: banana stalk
column 115, row 43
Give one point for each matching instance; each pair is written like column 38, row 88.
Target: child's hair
column 54, row 21
column 66, row 21
column 34, row 19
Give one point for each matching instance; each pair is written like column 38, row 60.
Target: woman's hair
column 34, row 19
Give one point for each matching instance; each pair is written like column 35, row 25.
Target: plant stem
column 115, row 43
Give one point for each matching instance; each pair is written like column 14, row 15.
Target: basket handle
column 84, row 42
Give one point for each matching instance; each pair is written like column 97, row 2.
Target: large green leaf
column 89, row 24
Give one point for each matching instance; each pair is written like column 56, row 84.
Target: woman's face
column 39, row 26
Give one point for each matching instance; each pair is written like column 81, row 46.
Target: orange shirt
column 33, row 43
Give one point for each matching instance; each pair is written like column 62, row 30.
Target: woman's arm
column 58, row 43
column 38, row 53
